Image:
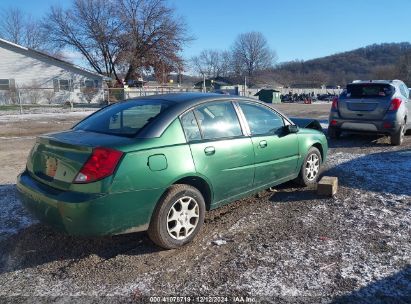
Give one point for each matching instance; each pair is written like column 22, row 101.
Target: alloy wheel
column 312, row 167
column 182, row 218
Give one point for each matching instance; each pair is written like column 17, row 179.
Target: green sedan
column 158, row 163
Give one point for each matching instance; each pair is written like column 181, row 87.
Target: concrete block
column 328, row 186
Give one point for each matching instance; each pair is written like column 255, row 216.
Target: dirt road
column 288, row 246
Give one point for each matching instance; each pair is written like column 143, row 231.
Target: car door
column 220, row 150
column 276, row 152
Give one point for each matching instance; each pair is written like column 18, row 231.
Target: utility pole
column 204, row 84
column 19, row 96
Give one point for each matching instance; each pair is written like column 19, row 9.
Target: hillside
column 338, row 69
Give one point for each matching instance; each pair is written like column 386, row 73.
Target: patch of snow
column 387, row 172
column 16, row 137
column 324, row 125
column 70, row 288
column 321, row 260
column 34, row 116
column 13, row 216
column 219, row 242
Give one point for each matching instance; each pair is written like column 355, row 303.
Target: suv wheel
column 178, row 217
column 334, row 132
column 398, row 138
column 310, row 170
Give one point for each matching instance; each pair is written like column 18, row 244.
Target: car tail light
column 101, row 163
column 334, row 105
column 395, row 104
column 333, row 122
column 387, row 125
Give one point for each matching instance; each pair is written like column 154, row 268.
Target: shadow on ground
column 359, row 141
column 292, row 192
column 393, row 289
column 40, row 244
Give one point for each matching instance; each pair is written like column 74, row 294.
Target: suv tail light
column 334, row 105
column 395, row 104
column 101, row 163
column 333, row 122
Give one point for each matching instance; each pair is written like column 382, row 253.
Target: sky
column 302, row 30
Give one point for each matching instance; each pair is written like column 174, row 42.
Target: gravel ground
column 290, row 246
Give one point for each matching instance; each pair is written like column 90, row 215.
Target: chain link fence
column 48, row 96
column 116, row 94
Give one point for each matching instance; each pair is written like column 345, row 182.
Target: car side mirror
column 289, row 129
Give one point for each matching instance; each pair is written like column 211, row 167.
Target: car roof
column 180, row 103
column 394, row 81
column 189, row 99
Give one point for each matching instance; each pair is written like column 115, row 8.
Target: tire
column 180, row 207
column 398, row 138
column 334, row 132
column 309, row 173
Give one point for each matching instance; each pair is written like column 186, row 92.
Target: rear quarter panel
column 145, row 184
column 135, row 173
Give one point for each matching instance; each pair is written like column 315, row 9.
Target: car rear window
column 368, row 90
column 123, row 119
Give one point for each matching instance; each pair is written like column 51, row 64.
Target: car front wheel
column 310, row 170
column 178, row 217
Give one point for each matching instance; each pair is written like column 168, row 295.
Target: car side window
column 218, row 120
column 404, row 90
column 261, row 120
column 129, row 120
column 190, row 126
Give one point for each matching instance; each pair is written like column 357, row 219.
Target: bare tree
column 20, row 28
column 211, row 63
column 120, row 36
column 384, row 72
column 226, row 66
column 154, row 36
column 90, row 28
column 251, row 53
column 403, row 68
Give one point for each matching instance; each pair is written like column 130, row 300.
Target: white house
column 29, row 76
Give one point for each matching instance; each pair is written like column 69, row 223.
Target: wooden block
column 328, row 186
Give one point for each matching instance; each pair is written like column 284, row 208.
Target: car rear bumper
column 385, row 126
column 87, row 214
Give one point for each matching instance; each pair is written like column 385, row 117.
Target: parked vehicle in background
column 373, row 106
column 326, row 97
column 158, row 163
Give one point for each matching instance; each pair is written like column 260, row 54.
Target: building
column 217, row 83
column 29, row 76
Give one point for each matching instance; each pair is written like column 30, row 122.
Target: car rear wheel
column 178, row 217
column 334, row 132
column 310, row 170
column 398, row 138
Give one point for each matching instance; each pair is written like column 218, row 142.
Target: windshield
column 124, row 119
column 368, row 90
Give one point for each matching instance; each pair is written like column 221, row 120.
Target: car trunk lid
column 57, row 158
column 368, row 101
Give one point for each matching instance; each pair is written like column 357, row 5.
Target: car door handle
column 209, row 150
column 263, row 144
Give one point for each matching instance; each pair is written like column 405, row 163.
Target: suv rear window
column 368, row 90
column 123, row 119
